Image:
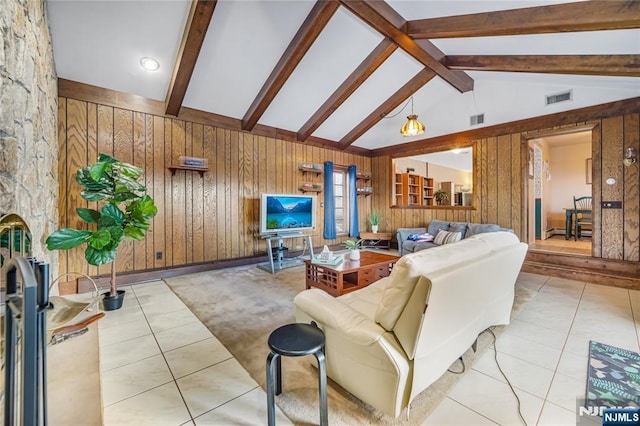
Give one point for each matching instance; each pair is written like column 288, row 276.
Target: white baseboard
column 555, row 231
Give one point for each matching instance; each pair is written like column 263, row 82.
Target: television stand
column 277, row 260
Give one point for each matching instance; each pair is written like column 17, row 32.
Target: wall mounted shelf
column 200, row 170
column 311, row 187
column 311, row 168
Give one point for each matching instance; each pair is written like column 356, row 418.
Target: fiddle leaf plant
column 126, row 212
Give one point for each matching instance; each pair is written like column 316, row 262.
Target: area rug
column 241, row 306
column 614, row 377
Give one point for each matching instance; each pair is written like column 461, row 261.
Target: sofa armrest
column 403, row 233
column 330, row 312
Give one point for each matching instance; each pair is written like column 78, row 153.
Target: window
column 341, row 198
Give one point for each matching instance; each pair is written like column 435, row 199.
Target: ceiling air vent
column 476, row 119
column 559, row 97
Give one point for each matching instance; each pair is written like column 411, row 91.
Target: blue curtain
column 353, row 203
column 329, row 203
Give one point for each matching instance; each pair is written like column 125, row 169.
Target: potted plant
column 354, row 248
column 126, row 212
column 374, row 220
column 441, row 196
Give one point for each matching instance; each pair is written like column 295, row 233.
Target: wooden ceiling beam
column 350, row 85
column 610, row 65
column 192, row 40
column 379, row 15
column 413, row 85
column 568, row 17
column 311, row 28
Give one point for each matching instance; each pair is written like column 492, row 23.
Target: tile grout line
column 227, row 402
column 555, row 371
column 184, row 401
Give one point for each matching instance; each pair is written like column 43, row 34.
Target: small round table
column 295, row 340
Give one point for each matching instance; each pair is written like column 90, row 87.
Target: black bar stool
column 295, row 340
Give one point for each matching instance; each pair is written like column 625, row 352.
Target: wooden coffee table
column 350, row 275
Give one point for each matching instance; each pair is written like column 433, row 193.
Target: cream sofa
column 389, row 341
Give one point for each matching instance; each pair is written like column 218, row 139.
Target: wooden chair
column 582, row 218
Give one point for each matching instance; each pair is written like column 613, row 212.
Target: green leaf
column 84, row 179
column 123, row 196
column 99, row 257
column 117, row 234
column 125, row 183
column 147, row 206
column 106, row 221
column 129, row 170
column 88, row 215
column 100, row 239
column 111, row 210
column 104, row 158
column 67, row 238
column 95, row 195
column 133, row 232
column 97, row 171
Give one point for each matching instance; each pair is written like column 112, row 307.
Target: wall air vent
column 476, row 119
column 559, row 97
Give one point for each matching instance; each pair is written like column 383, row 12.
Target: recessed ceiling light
column 149, row 64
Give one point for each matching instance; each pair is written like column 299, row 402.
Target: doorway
column 559, row 169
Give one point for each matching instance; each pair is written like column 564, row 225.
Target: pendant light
column 412, row 127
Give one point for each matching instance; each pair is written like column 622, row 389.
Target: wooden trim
column 313, row 25
column 612, row 65
column 419, row 80
column 376, row 14
column 112, row 98
column 571, row 17
column 192, row 40
column 584, row 268
column 103, row 281
column 611, row 109
column 366, row 68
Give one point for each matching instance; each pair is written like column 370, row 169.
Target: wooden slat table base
column 349, row 275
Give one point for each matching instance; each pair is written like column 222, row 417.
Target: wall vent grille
column 476, row 119
column 559, row 97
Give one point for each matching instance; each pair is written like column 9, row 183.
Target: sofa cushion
column 447, row 237
column 458, row 227
column 410, row 267
column 435, row 225
column 409, row 324
column 413, row 246
column 479, row 228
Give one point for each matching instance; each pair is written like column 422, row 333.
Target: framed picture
column 588, row 167
column 531, row 161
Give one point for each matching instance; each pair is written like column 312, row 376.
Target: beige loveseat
column 389, row 341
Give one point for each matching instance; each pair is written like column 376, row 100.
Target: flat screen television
column 287, row 213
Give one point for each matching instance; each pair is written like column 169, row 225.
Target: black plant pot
column 112, row 303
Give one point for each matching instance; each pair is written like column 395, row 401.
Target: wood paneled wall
column 200, row 219
column 500, row 186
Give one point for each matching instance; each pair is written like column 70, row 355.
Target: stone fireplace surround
column 28, row 122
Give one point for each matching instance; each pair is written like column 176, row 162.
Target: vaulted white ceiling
column 100, row 42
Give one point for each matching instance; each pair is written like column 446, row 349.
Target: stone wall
column 28, row 121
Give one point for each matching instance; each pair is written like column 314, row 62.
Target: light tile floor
column 170, row 370
column 161, row 366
